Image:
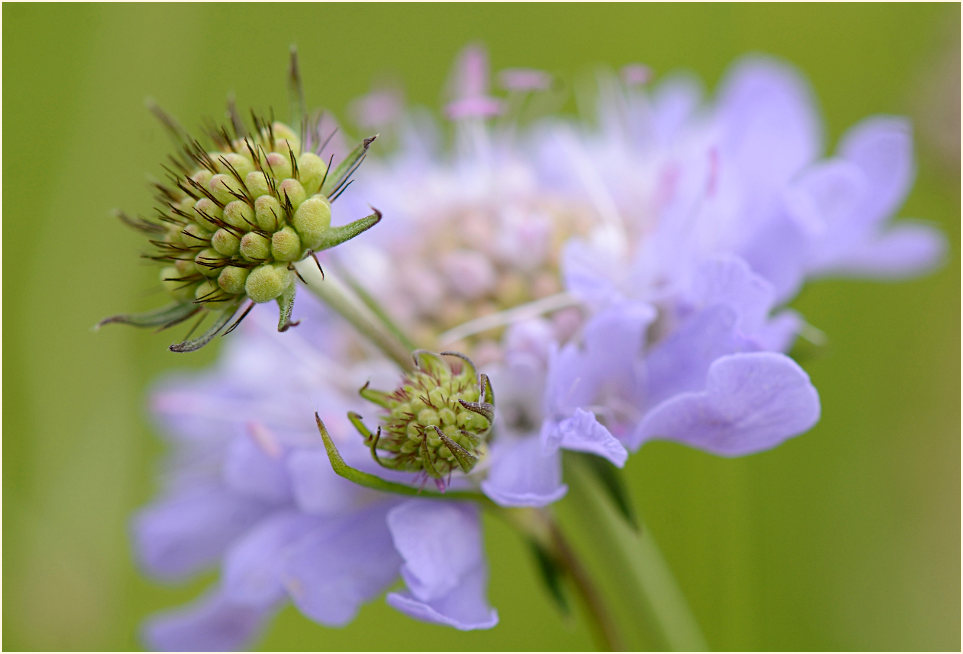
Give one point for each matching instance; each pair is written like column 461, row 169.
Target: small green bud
column 225, row 242
column 311, row 170
column 207, row 213
column 179, row 289
column 278, row 165
column 312, row 219
column 267, row 282
column 225, row 188
column 285, row 244
column 185, row 267
column 257, row 184
column 193, row 235
column 239, row 214
column 285, row 139
column 202, row 177
column 232, row 279
column 425, row 425
column 209, row 262
column 268, row 213
column 293, row 191
column 255, row 247
column 209, row 292
column 241, row 164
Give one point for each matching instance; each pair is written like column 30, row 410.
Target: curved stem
column 333, row 293
column 540, row 525
column 643, row 571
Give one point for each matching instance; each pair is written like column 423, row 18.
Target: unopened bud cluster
column 236, row 223
column 437, row 421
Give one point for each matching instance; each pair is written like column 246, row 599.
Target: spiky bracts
column 437, row 420
column 232, row 218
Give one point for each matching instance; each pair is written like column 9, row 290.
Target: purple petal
column 440, row 543
column 680, row 362
column 252, row 567
column 186, row 532
column 882, row 147
column 318, row 490
column 444, row 567
column 212, row 624
column 905, row 249
column 255, row 467
column 343, row 563
column 464, row 608
column 728, row 280
column 522, row 474
column 770, row 126
column 752, row 402
column 583, row 433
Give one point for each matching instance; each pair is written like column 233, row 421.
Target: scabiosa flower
column 233, row 218
column 616, row 283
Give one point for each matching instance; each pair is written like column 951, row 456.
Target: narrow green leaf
column 336, row 180
column 466, row 460
column 551, row 574
column 163, row 317
column 338, row 235
column 611, row 482
column 380, row 398
column 286, row 306
column 220, row 322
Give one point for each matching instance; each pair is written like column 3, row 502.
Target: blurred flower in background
column 621, row 278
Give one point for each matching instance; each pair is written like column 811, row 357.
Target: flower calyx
column 438, row 420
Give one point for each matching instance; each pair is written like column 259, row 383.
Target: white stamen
column 509, row 316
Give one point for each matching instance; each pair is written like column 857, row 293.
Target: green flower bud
column 209, row 262
column 311, row 170
column 232, row 279
column 209, row 292
column 293, row 191
column 257, row 184
column 312, row 219
column 268, row 213
column 225, row 188
column 267, row 282
column 278, row 165
column 255, row 247
column 229, row 203
column 422, row 427
column 207, row 213
column 194, row 235
column 285, row 139
column 239, row 214
column 225, row 242
column 241, row 164
column 177, row 287
column 285, row 245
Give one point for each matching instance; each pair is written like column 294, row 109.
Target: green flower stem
column 371, row 303
column 541, row 526
column 643, row 571
column 334, row 293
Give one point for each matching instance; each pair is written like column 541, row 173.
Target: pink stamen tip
column 524, row 79
column 472, row 76
column 636, row 74
column 477, row 107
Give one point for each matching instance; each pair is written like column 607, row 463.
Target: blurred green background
column 846, row 538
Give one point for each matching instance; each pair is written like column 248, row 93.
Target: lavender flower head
column 619, row 280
